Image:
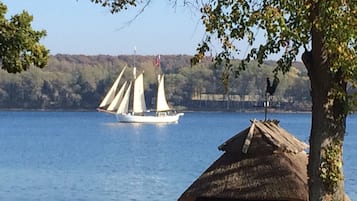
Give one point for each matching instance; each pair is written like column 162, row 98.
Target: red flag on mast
column 157, row 61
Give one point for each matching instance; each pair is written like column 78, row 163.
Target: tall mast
column 157, row 64
column 134, row 70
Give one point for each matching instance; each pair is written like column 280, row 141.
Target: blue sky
column 82, row 27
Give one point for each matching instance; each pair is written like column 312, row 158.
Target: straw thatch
column 263, row 162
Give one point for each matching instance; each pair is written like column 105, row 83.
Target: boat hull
column 129, row 118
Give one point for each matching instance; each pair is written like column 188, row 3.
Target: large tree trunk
column 325, row 172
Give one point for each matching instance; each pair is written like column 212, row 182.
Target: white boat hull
column 129, row 118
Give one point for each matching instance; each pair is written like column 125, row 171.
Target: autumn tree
column 19, row 43
column 325, row 30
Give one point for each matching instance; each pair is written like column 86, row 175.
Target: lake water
column 87, row 156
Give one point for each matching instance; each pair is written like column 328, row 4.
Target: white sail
column 124, row 105
column 139, row 105
column 161, row 103
column 111, row 93
column 132, row 94
column 117, row 99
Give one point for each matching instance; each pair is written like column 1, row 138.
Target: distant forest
column 78, row 82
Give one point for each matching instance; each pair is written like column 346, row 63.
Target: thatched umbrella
column 263, row 162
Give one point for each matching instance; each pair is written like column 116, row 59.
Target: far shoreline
column 188, row 111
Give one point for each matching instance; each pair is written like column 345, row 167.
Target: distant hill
column 80, row 81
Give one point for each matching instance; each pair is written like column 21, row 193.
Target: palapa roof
column 263, row 162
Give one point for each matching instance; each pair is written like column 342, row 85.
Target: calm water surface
column 75, row 156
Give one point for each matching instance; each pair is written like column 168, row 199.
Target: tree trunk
column 325, row 172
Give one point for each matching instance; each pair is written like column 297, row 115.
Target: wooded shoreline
column 78, row 82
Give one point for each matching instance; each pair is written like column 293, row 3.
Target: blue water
column 74, row 156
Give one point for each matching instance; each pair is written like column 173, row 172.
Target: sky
column 82, row 27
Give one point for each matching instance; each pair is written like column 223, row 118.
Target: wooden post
column 266, row 105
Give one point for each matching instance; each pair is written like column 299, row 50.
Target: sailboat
column 118, row 101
